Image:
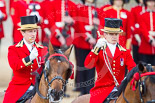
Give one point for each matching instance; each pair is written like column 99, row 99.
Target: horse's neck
column 129, row 94
column 43, row 90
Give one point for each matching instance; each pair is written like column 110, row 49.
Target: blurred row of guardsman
column 64, row 23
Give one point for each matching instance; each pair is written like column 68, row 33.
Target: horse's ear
column 141, row 67
column 68, row 51
column 51, row 49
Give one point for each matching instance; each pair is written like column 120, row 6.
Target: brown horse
column 143, row 76
column 57, row 71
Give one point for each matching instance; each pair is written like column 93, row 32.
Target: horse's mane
column 126, row 80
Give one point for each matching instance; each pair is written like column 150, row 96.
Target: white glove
column 96, row 21
column 47, row 31
column 153, row 43
column 62, row 40
column 90, row 39
column 35, row 13
column 1, row 14
column 33, row 54
column 138, row 39
column 101, row 42
column 68, row 19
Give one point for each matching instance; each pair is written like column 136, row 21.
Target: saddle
column 28, row 96
column 111, row 96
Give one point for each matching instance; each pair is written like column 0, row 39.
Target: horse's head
column 147, row 83
column 57, row 71
column 138, row 86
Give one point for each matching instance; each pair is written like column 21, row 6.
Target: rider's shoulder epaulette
column 121, row 48
column 38, row 45
column 20, row 44
column 107, row 8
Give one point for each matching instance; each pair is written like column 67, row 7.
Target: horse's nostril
column 52, row 91
column 60, row 93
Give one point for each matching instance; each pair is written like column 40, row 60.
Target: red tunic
column 45, row 24
column 136, row 12
column 105, row 82
column 147, row 24
column 124, row 15
column 20, row 8
column 3, row 10
column 10, row 5
column 85, row 18
column 56, row 13
column 105, row 7
column 102, row 14
column 22, row 70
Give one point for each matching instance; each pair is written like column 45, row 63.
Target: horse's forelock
column 58, row 51
column 62, row 59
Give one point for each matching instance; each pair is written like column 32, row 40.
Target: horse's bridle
column 64, row 82
column 141, row 84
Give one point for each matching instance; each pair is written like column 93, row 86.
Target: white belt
column 152, row 33
column 31, row 87
column 88, row 27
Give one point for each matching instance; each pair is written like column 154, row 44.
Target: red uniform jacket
column 55, row 17
column 105, row 82
column 20, row 8
column 124, row 15
column 136, row 12
column 147, row 24
column 22, row 69
column 105, row 7
column 102, row 14
column 3, row 10
column 45, row 24
column 85, row 19
column 10, row 5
